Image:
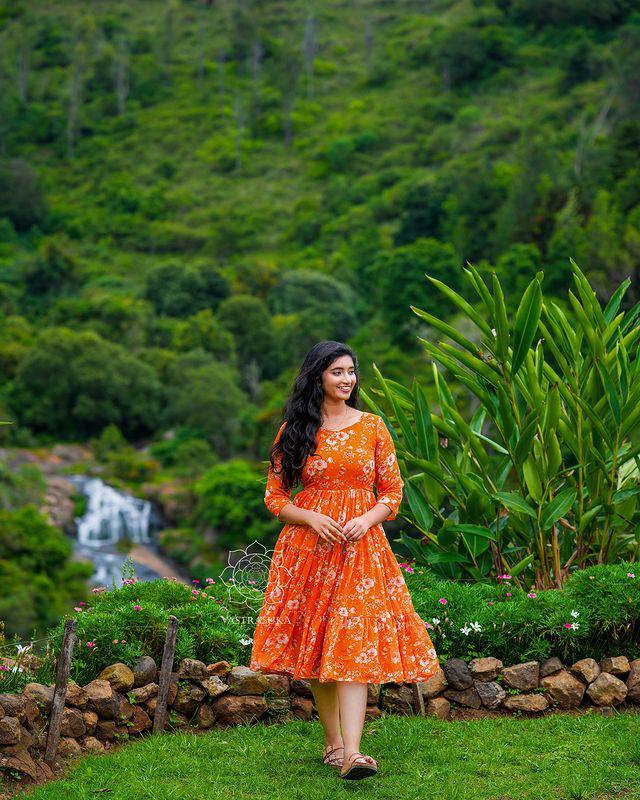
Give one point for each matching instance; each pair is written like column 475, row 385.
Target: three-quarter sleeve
column 276, row 496
column 388, row 481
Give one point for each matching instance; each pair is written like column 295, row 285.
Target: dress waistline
column 345, row 489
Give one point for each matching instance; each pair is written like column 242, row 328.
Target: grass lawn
column 559, row 757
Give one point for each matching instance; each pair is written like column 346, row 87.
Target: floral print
column 341, row 611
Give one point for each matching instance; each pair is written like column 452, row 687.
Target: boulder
column 301, row 686
column 464, row 697
column 616, row 665
column 144, row 671
column 232, row 709
column 434, row 685
column 397, row 698
column 524, row 676
column 220, row 668
column 485, row 669
column 72, row 723
column 76, row 696
column 438, row 707
column 140, row 721
column 119, row 675
column 90, row 744
column 102, row 698
column 41, row 695
column 458, row 674
column 373, row 694
column 18, row 759
column 564, row 689
column 205, row 716
column 90, row 719
column 607, row 690
column 491, row 694
column 586, row 669
column 189, row 698
column 14, row 705
column 243, row 680
column 214, row 685
column 142, row 693
column 529, row 703
column 105, row 729
column 10, row 732
column 550, row 666
column 190, row 669
column 302, row 707
column 633, row 682
column 68, row 748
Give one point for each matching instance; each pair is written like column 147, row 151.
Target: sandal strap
column 359, row 756
column 330, row 753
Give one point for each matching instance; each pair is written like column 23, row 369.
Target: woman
column 336, row 607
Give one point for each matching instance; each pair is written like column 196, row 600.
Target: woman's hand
column 356, row 528
column 326, row 528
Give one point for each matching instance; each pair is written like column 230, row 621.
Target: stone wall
column 120, row 703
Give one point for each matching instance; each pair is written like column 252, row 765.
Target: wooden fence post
column 60, row 692
column 165, row 675
column 418, row 699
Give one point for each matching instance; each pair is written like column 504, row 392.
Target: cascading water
column 111, row 516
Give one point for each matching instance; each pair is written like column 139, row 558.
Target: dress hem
column 395, row 678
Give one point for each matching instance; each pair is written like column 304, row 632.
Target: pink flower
column 82, row 603
column 3, row 668
column 406, row 567
column 137, row 608
column 209, row 580
column 91, row 644
column 631, row 575
column 531, row 594
column 428, row 625
column 567, row 624
column 504, row 577
column 508, row 594
column 115, row 641
column 195, row 591
column 77, row 608
column 490, row 603
column 443, row 601
column 195, row 580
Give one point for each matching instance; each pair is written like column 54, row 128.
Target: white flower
column 476, row 627
column 575, row 626
column 575, row 613
column 466, row 630
column 435, row 621
column 246, row 641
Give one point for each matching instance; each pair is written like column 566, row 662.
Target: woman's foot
column 358, row 765
column 333, row 755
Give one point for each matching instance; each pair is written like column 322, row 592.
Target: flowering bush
column 597, row 614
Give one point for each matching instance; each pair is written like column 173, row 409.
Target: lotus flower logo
column 249, row 571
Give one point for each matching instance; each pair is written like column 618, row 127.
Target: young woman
column 336, row 608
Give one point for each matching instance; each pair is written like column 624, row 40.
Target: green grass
column 561, row 756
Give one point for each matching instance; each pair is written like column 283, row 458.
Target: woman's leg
column 352, row 700
column 328, row 710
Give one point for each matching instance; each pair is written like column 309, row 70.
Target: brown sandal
column 333, row 760
column 361, row 766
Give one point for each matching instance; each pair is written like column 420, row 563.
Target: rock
column 458, row 674
column 464, row 697
column 522, row 676
column 41, row 695
column 43, row 772
column 102, row 698
column 27, row 738
column 76, row 696
column 91, row 745
column 205, row 716
column 143, row 693
column 633, row 682
column 616, row 665
column 550, row 666
column 13, row 705
column 485, row 669
column 491, row 693
column 140, row 721
column 434, row 685
column 105, row 729
column 119, row 675
column 607, row 690
column 144, row 671
column 373, row 693
column 302, row 687
column 72, row 723
column 220, row 668
column 125, row 709
column 530, row 703
column 31, row 712
column 243, row 680
column 19, row 760
column 397, row 698
column 90, row 719
column 191, row 669
column 9, row 730
column 189, row 698
column 438, row 707
column 372, row 712
column 278, row 705
column 238, row 709
column 68, row 748
column 176, row 720
column 586, row 669
column 302, row 707
column 214, row 686
column 278, row 684
column 564, row 689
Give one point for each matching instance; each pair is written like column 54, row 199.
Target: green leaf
column 526, row 324
column 513, row 571
column 422, row 514
column 427, row 436
column 558, row 507
column 514, row 502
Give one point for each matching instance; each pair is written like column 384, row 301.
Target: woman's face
column 339, row 379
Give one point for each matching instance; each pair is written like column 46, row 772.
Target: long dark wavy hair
column 302, row 411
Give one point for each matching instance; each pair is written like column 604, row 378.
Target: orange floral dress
column 341, row 611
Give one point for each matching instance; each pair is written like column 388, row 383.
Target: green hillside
column 191, row 193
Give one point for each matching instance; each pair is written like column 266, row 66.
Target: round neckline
column 346, row 428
